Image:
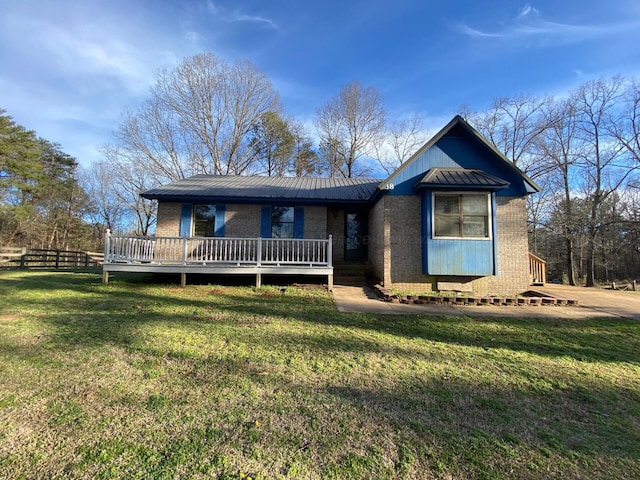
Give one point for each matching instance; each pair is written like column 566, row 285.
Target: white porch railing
column 213, row 250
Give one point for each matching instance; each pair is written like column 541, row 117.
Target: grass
column 142, row 380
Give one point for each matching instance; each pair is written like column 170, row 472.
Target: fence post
column 57, row 259
column 23, row 259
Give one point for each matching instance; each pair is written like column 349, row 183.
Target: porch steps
column 350, row 274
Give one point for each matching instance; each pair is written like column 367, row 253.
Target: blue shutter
column 298, row 222
column 221, row 211
column 185, row 220
column 494, row 233
column 265, row 223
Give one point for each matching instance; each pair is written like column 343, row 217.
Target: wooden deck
column 218, row 256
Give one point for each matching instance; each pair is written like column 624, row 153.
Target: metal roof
column 256, row 188
column 460, row 178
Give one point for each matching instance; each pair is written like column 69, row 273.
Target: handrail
column 537, row 269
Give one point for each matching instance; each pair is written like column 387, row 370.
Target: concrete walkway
column 614, row 302
column 592, row 303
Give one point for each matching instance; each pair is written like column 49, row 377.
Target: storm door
column 356, row 247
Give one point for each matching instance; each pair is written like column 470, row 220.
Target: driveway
column 593, row 302
column 614, row 302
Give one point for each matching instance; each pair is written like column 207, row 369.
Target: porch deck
column 218, row 256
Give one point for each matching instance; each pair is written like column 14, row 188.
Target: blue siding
column 425, row 220
column 221, row 211
column 265, row 222
column 185, row 220
column 453, row 151
column 494, row 234
column 298, row 222
column 468, row 257
column 460, row 257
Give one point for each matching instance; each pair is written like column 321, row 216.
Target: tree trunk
column 571, row 271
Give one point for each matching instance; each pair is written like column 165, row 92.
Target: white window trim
column 489, row 195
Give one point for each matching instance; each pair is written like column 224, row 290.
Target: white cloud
column 528, row 10
column 472, row 32
column 530, row 26
column 233, row 16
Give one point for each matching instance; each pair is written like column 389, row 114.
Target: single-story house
column 452, row 217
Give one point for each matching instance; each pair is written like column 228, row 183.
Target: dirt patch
column 10, row 317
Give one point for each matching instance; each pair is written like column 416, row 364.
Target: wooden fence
column 52, row 259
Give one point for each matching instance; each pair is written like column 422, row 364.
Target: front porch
column 218, row 256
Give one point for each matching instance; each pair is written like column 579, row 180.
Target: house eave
column 213, row 199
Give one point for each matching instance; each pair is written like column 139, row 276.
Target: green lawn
column 137, row 379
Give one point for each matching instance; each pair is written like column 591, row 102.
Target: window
column 282, row 219
column 204, row 220
column 461, row 215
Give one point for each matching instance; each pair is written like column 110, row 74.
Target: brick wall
column 513, row 248
column 315, row 222
column 377, row 228
column 241, row 221
column 404, row 215
column 168, row 219
column 401, row 265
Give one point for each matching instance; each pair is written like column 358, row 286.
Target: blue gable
column 458, row 146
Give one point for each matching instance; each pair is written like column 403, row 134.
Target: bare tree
column 512, row 124
column 625, row 127
column 595, row 102
column 128, row 180
column 560, row 150
column 106, row 210
column 399, row 142
column 348, row 126
column 198, row 119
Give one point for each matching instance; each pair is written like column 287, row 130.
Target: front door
column 356, row 247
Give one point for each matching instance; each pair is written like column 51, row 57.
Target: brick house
column 453, row 217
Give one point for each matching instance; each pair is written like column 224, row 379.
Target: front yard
column 137, row 379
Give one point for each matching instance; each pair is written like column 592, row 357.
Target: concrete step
column 351, row 274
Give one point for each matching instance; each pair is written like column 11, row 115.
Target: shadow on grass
column 460, row 415
column 116, row 312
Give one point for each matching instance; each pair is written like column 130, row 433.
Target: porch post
column 107, row 247
column 259, row 262
column 183, row 279
column 330, row 263
column 259, row 252
column 184, row 251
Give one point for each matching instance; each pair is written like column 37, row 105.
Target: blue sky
column 68, row 69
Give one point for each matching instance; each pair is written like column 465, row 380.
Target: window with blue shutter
column 282, row 222
column 207, row 220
